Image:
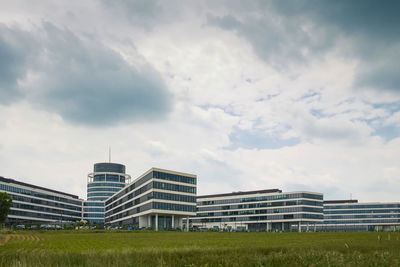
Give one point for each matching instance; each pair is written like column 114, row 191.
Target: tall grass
column 70, row 248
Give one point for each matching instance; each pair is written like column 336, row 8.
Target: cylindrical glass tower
column 106, row 179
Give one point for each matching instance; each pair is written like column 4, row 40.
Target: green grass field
column 80, row 248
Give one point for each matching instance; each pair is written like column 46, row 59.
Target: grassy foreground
column 76, row 248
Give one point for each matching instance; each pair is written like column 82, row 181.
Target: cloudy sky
column 296, row 95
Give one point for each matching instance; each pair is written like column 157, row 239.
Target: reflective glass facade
column 163, row 199
column 109, row 167
column 107, row 179
column 93, row 211
column 157, row 197
column 38, row 204
column 264, row 210
column 342, row 215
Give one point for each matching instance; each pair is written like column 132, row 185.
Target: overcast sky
column 295, row 95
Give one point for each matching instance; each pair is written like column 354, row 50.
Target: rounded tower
column 106, row 179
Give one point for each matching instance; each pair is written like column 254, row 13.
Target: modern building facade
column 106, row 179
column 350, row 215
column 93, row 211
column 158, row 199
column 36, row 204
column 164, row 199
column 262, row 210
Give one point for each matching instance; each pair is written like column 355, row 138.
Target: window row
column 109, row 178
column 106, row 184
column 43, row 216
column 93, row 209
column 44, row 209
column 262, row 198
column 174, row 187
column 99, row 194
column 104, row 189
column 360, row 216
column 93, row 215
column 360, row 211
column 258, row 218
column 363, row 206
column 262, row 205
column 13, row 189
column 174, row 197
column 93, row 204
column 176, row 207
column 174, row 177
column 97, row 198
column 266, row 211
column 363, row 221
column 44, row 202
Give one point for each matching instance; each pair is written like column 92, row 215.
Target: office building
column 350, row 215
column 93, row 211
column 262, row 210
column 159, row 199
column 36, row 204
column 164, row 199
column 106, row 179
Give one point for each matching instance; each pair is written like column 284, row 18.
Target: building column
column 315, row 227
column 173, row 221
column 308, row 227
column 156, row 222
column 267, row 227
column 299, row 227
column 283, row 226
column 165, row 222
column 187, row 224
column 149, row 220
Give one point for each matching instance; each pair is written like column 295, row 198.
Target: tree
column 5, row 204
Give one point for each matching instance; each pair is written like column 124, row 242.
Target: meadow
column 142, row 248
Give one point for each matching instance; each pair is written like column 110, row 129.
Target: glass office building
column 262, row 210
column 36, row 204
column 105, row 180
column 93, row 211
column 350, row 215
column 163, row 199
column 158, row 199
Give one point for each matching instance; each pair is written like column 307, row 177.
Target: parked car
column 33, row 227
column 20, row 227
column 46, row 227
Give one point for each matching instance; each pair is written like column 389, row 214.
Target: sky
column 247, row 95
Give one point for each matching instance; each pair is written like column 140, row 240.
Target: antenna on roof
column 109, row 154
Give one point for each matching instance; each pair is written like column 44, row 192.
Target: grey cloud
column 144, row 13
column 87, row 83
column 380, row 71
column 281, row 31
column 376, row 20
column 281, row 42
column 374, row 27
column 15, row 50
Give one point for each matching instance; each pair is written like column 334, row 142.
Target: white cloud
column 219, row 85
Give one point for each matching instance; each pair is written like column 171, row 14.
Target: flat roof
column 12, row 181
column 239, row 193
column 340, row 201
